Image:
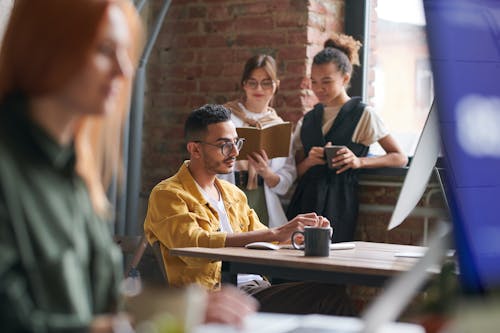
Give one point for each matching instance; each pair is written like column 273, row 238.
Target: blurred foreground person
column 65, row 74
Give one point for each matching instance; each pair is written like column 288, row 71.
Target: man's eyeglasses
column 265, row 84
column 227, row 147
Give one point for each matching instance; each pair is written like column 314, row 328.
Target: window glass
column 5, row 9
column 401, row 85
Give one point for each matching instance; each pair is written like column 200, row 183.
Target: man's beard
column 219, row 167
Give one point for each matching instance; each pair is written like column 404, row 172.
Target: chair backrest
column 142, row 253
column 138, row 254
column 159, row 259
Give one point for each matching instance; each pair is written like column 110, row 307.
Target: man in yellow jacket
column 195, row 208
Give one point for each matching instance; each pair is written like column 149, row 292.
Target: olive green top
column 58, row 264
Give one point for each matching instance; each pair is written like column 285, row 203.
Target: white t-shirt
column 369, row 130
column 225, row 226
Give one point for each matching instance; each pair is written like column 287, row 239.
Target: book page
column 274, row 139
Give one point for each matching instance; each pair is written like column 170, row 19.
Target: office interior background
column 198, row 58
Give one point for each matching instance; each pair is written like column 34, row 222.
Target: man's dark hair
column 197, row 122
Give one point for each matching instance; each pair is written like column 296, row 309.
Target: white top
column 253, row 115
column 369, row 130
column 225, row 226
column 284, row 167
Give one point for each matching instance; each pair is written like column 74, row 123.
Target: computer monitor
column 420, row 170
column 464, row 44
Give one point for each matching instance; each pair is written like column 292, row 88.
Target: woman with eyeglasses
column 341, row 120
column 262, row 179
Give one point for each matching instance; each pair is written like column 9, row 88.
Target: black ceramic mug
column 316, row 241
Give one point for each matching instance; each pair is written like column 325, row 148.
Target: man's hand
column 284, row 232
column 229, row 306
column 279, row 234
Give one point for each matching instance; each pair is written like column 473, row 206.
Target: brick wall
column 199, row 59
column 324, row 17
column 376, row 206
column 378, row 195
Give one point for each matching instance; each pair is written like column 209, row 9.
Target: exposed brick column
column 324, row 17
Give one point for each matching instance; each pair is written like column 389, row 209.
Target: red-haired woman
column 65, row 72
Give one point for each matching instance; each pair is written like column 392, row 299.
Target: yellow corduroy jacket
column 179, row 216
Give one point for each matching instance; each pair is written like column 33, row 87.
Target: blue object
column 464, row 43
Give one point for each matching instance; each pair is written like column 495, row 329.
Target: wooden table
column 368, row 263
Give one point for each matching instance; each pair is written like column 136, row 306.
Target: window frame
column 356, row 25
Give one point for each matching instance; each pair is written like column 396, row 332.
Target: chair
column 159, row 259
column 146, row 259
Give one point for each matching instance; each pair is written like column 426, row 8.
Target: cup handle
column 296, row 246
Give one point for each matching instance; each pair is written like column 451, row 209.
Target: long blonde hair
column 35, row 66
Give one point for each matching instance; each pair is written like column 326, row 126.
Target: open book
column 274, row 139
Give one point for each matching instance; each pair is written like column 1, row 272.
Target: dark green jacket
column 58, row 264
